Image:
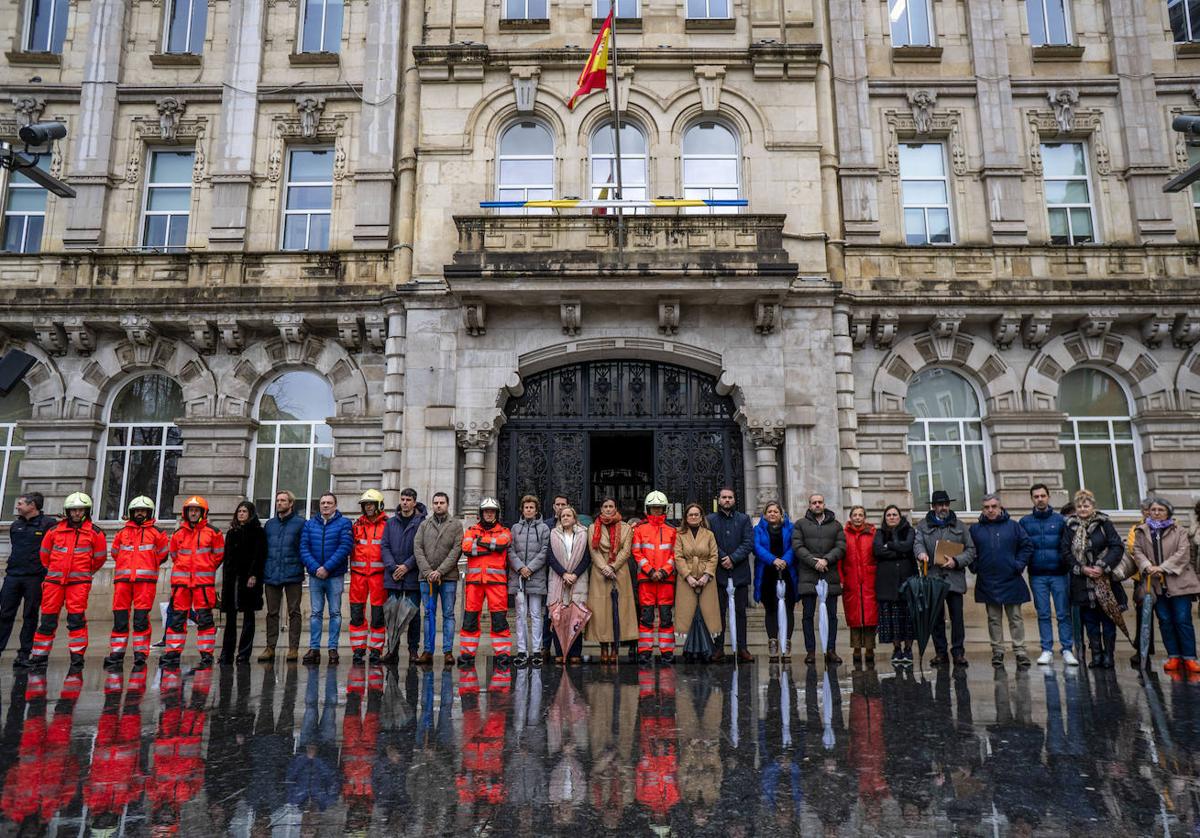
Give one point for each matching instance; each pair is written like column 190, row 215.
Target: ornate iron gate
column 544, row 445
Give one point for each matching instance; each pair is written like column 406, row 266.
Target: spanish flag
column 595, row 71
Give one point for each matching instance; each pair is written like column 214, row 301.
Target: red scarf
column 613, row 530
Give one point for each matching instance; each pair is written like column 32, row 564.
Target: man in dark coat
column 735, row 543
column 819, row 544
column 400, row 576
column 1002, row 552
column 23, row 577
column 284, row 575
column 941, row 524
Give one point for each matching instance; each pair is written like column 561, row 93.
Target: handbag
column 1126, row 568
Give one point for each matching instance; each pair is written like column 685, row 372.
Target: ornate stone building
column 956, row 267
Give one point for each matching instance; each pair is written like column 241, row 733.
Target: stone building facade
column 263, row 195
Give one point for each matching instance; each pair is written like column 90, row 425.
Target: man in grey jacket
column 437, row 546
column 819, row 545
column 941, row 524
column 527, row 556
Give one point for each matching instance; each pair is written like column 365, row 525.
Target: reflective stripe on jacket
column 197, row 550
column 73, row 554
column 138, row 551
column 654, row 547
column 367, row 556
column 487, row 554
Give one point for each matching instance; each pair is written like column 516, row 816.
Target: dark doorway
column 622, row 466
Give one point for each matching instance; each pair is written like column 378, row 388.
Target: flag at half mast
column 595, row 72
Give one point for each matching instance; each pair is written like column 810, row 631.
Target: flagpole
column 616, row 106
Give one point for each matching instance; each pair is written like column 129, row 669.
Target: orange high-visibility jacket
column 73, row 554
column 139, row 551
column 197, row 550
column 487, row 554
column 367, row 556
column 654, row 547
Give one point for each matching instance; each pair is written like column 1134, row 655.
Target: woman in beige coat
column 610, row 542
column 569, row 562
column 696, row 571
column 1163, row 552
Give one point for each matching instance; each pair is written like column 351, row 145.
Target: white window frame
column 962, row 444
column 171, row 215
column 1192, row 25
column 276, row 447
column 601, row 8
column 1086, row 177
column 1042, row 7
column 128, row 448
column 947, row 206
column 166, row 43
column 908, row 39
column 501, row 186
column 1111, row 443
column 525, row 5
column 11, row 183
column 288, row 184
column 56, row 7
column 324, row 47
column 708, row 15
column 708, row 188
column 594, row 188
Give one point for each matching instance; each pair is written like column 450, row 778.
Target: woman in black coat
column 893, row 550
column 241, row 585
column 1092, row 548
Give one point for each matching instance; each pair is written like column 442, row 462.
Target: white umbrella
column 785, row 705
column 822, row 615
column 730, row 621
column 780, row 596
column 827, row 738
column 733, row 708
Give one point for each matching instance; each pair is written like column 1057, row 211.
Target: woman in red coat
column 858, row 585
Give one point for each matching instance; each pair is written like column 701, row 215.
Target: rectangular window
column 25, row 212
column 186, row 22
column 925, row 194
column 168, row 201
column 708, row 9
column 527, row 10
column 1049, row 22
column 625, row 8
column 309, row 201
column 321, row 26
column 1068, row 193
column 911, row 24
column 46, row 25
column 1185, row 20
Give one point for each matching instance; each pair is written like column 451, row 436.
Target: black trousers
column 958, row 632
column 809, row 602
column 771, row 603
column 741, row 596
column 231, row 643
column 24, row 594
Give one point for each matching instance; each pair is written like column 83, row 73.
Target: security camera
column 1187, row 124
column 41, row 133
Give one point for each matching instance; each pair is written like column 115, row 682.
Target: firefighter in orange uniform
column 656, row 775
column 72, row 552
column 178, row 772
column 197, row 549
column 138, row 551
column 485, row 545
column 481, row 780
column 360, row 738
column 116, row 779
column 366, row 578
column 654, row 553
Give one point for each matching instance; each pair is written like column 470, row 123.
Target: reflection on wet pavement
column 686, row 751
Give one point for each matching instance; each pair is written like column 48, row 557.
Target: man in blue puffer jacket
column 283, row 574
column 325, row 548
column 1002, row 552
column 1048, row 576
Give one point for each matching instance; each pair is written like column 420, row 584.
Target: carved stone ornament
column 1035, row 329
column 668, row 316
column 1088, row 123
column 51, row 336
column 474, row 438
column 138, row 329
column 525, row 86
column 349, row 332
column 232, row 337
column 204, row 335
column 309, row 108
column 570, row 312
column 922, row 103
column 860, row 330
column 375, row 325
column 1064, row 100
column 766, row 316
column 291, row 326
column 1097, row 323
column 766, row 435
column 946, row 324
column 1186, row 331
column 934, row 124
column 1157, row 328
column 887, row 323
column 1005, row 330
column 28, row 109
column 79, row 335
column 475, row 318
column 710, row 78
column 147, row 131
column 287, row 129
column 170, row 111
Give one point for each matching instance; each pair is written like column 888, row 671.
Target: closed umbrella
column 733, row 709
column 1109, row 605
column 730, row 621
column 615, row 597
column 827, row 738
column 568, row 622
column 924, row 595
column 822, row 615
column 398, row 612
column 1153, row 584
column 780, row 595
column 785, row 706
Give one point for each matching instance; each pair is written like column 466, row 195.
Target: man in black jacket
column 735, row 543
column 23, row 579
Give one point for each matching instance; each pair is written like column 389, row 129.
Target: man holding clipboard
column 944, row 542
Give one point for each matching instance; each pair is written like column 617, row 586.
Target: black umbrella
column 616, row 617
column 924, row 595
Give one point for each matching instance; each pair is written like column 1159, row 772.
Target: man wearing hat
column 942, row 525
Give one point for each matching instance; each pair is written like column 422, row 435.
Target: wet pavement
column 690, row 750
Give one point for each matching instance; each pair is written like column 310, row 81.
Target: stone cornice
column 467, row 55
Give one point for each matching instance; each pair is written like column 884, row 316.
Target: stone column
column 766, row 440
column 843, row 375
column 216, row 463
column 1026, row 450
column 1169, row 451
column 857, row 167
column 374, row 176
column 357, row 447
column 393, row 410
column 1001, row 170
column 60, row 458
column 233, row 149
column 474, row 444
column 92, row 134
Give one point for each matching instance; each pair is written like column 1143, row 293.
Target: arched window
column 525, row 166
column 945, row 440
column 633, row 163
column 1097, row 439
column 13, row 408
column 710, row 165
column 142, row 446
column 295, row 446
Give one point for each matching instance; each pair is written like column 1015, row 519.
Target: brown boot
column 293, row 655
column 268, row 655
column 448, row 659
column 425, row 660
column 744, row 656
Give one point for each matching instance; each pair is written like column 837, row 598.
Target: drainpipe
column 831, row 215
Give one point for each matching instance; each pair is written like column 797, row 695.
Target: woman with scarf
column 858, row 585
column 1162, row 551
column 569, row 563
column 1091, row 547
column 696, row 572
column 774, row 562
column 241, row 582
column 610, row 543
column 893, row 548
